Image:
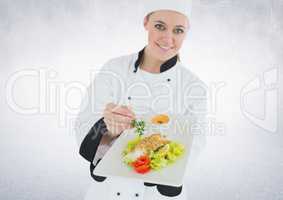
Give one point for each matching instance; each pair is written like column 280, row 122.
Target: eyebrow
column 161, row 22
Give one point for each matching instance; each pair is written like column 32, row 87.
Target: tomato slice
column 141, row 165
column 142, row 160
column 137, row 163
column 142, row 169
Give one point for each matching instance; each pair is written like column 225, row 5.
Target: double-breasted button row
column 118, row 194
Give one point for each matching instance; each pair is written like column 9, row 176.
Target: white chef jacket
column 176, row 90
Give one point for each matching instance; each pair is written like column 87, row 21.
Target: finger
column 107, row 113
column 115, row 130
column 110, row 106
column 123, row 110
column 118, row 110
column 120, row 118
column 131, row 110
column 117, row 124
column 116, row 117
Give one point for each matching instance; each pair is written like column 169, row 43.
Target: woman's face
column 166, row 33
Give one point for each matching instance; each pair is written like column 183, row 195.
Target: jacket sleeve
column 89, row 126
column 89, row 145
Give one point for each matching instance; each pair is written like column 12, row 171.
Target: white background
column 230, row 42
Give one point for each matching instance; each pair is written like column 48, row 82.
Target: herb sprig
column 139, row 126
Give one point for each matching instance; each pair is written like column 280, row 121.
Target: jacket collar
column 164, row 67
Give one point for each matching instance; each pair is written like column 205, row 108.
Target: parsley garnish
column 139, row 126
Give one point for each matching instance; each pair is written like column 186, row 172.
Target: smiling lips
column 164, row 48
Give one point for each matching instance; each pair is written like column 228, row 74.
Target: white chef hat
column 181, row 6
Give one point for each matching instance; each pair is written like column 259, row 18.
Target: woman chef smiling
column 152, row 79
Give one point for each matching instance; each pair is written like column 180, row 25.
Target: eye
column 178, row 31
column 160, row 27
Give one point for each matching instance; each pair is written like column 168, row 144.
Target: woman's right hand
column 117, row 118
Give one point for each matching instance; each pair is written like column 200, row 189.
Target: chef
column 152, row 80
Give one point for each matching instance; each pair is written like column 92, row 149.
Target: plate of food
column 155, row 150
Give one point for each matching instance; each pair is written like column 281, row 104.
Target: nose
column 168, row 37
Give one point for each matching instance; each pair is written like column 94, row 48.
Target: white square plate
column 112, row 164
